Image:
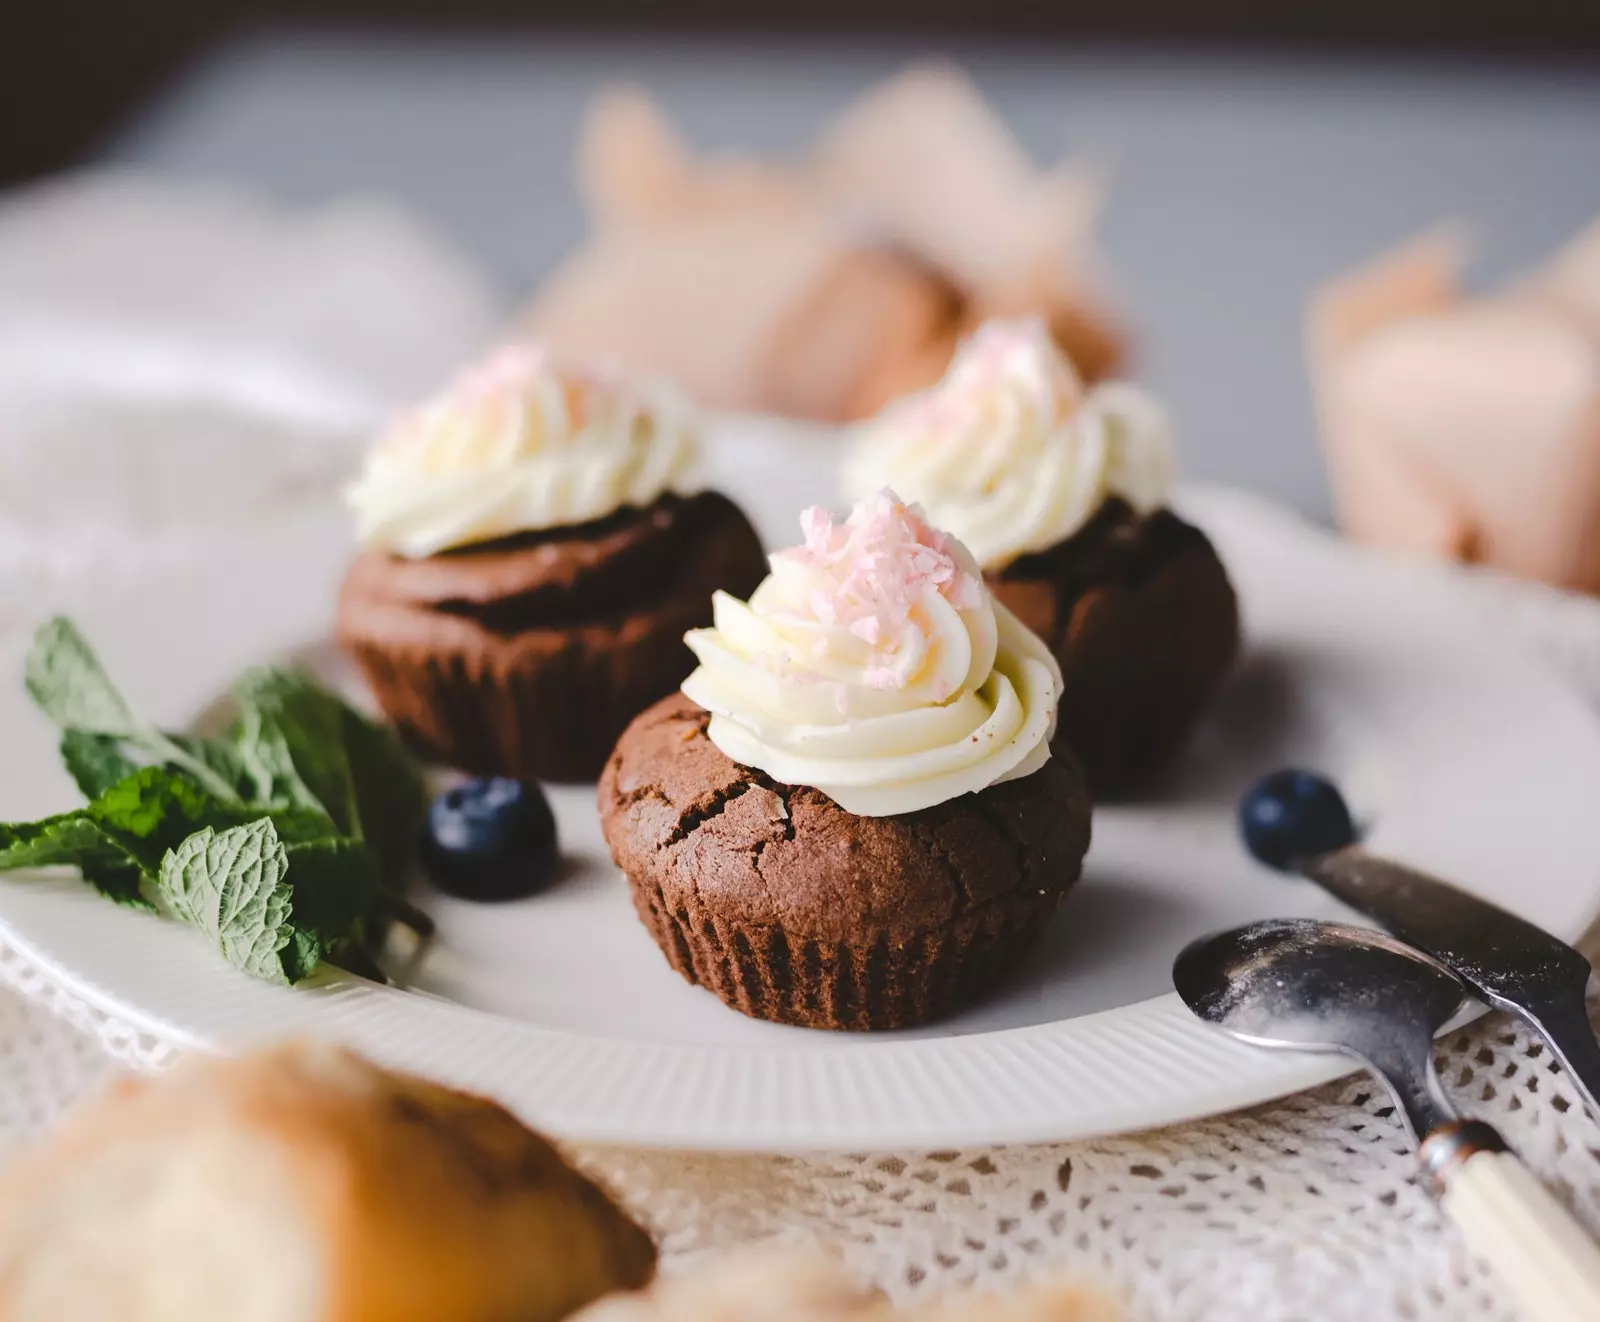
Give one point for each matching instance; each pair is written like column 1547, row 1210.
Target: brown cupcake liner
column 554, row 721
column 545, row 700
column 1142, row 666
column 871, row 983
column 1144, row 646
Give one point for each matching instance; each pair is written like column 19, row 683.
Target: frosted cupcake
column 1061, row 494
column 530, row 564
column 850, row 817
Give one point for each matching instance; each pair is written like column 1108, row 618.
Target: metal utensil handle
column 1516, row 1225
column 1565, row 1027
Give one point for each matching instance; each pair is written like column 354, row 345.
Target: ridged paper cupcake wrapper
column 554, row 717
column 872, row 983
column 1142, row 660
column 548, row 701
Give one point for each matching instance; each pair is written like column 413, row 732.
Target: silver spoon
column 1312, row 986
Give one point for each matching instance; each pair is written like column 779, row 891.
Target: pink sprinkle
column 515, row 366
column 995, row 341
column 881, row 677
column 815, row 523
column 876, row 567
column 520, row 368
column 1021, row 351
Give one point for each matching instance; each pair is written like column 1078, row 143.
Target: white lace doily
column 1303, row 1211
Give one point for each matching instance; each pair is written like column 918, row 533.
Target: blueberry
column 1292, row 814
column 490, row 839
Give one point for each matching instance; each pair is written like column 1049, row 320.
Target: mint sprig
column 287, row 839
column 68, row 684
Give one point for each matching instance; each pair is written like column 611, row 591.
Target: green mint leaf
column 95, row 761
column 259, row 744
column 263, row 753
column 98, row 761
column 124, row 835
column 53, row 842
column 218, row 756
column 335, row 883
column 276, row 839
column 155, row 809
column 293, row 714
column 68, row 684
column 391, row 796
column 75, row 840
column 122, row 882
column 305, row 746
column 299, row 826
column 66, row 681
column 232, row 885
column 306, row 950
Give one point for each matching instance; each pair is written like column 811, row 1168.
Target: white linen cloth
column 179, row 315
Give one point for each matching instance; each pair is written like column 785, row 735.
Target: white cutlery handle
column 1516, row 1225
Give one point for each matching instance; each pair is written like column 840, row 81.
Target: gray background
column 1237, row 181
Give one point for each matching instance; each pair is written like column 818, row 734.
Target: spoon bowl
column 1314, row 986
column 1304, row 985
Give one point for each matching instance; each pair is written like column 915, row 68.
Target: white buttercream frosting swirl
column 1009, row 451
column 518, row 443
column 873, row 665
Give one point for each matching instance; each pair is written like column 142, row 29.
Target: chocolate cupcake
column 1061, row 494
column 851, row 817
column 529, row 568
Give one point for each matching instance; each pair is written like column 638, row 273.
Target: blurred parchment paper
column 825, row 287
column 1466, row 428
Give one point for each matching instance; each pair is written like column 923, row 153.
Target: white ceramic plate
column 1469, row 758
